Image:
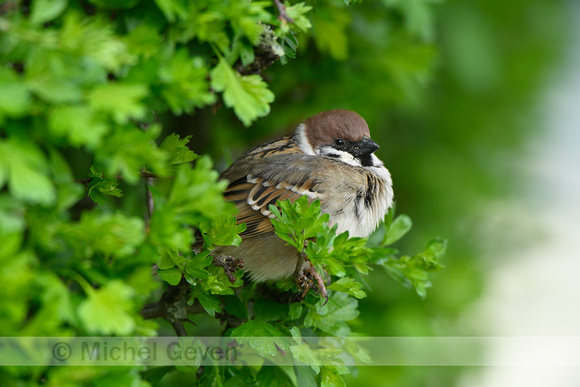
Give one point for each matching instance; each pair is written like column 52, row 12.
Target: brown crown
column 323, row 128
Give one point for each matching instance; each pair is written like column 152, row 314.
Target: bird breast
column 358, row 199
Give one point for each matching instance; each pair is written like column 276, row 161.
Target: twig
column 282, row 15
column 229, row 264
column 149, row 201
column 173, row 307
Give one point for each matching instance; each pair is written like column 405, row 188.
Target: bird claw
column 307, row 278
column 229, row 264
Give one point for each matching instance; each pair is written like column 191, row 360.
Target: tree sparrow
column 329, row 157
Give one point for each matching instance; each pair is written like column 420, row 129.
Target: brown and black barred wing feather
column 277, row 177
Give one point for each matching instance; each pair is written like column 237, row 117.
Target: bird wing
column 253, row 189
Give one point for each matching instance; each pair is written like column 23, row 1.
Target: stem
column 282, row 15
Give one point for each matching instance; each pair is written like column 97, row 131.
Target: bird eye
column 338, row 142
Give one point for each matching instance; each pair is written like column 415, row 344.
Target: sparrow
column 329, row 157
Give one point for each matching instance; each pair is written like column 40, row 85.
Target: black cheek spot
column 357, row 202
column 370, row 193
column 366, row 161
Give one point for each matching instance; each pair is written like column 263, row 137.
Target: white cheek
column 343, row 156
column 302, row 140
column 376, row 161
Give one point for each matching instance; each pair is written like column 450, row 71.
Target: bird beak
column 364, row 147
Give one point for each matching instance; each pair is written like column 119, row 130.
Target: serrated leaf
column 248, row 95
column 349, row 286
column 331, row 317
column 108, row 310
column 211, row 304
column 222, row 231
column 128, row 149
column 110, row 234
column 416, row 270
column 78, row 124
column 184, row 84
column 121, row 101
column 99, row 187
column 261, row 336
column 177, row 148
column 436, row 248
column 297, row 12
column 25, row 169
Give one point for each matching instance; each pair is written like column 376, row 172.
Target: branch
column 173, row 307
column 150, row 203
column 282, row 15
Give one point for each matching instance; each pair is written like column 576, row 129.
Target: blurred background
column 475, row 105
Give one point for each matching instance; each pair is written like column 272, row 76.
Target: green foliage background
column 93, row 90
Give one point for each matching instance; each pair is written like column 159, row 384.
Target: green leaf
column 306, row 376
column 330, row 378
column 69, row 192
column 330, row 31
column 121, row 101
column 171, row 276
column 115, row 4
column 273, row 377
column 236, row 307
column 108, row 310
column 172, row 9
column 78, row 124
column 299, row 221
column 222, row 231
column 248, row 95
column 210, row 303
column 331, row 317
column 128, row 149
column 416, row 270
column 295, row 311
column 266, row 337
column 297, row 12
column 436, row 249
column 349, row 286
column 302, row 351
column 397, row 229
column 268, row 310
column 25, row 169
column 218, row 282
column 196, row 193
column 110, row 234
column 57, row 294
column 45, row 10
column 177, row 148
column 99, row 187
column 184, row 84
column 195, row 266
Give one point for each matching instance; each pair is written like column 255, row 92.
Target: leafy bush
column 84, row 86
